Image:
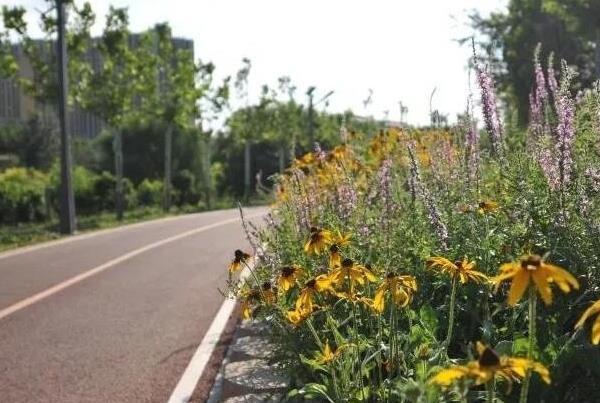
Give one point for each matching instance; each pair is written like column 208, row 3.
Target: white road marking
column 99, row 269
column 188, row 381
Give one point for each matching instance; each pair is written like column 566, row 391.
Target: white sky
column 400, row 49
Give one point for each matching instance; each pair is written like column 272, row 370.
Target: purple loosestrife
column 565, row 129
column 537, row 100
column 489, row 108
column 347, row 200
column 433, row 213
column 593, row 175
column 384, row 184
column 472, row 148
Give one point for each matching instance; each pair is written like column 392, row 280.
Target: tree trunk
column 597, row 54
column 118, row 149
column 168, row 168
column 281, row 159
column 206, row 177
column 247, row 150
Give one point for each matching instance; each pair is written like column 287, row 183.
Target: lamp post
column 67, row 199
column 311, row 112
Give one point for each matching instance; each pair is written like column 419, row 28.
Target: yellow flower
column 594, row 309
column 288, row 276
column 401, row 288
column 532, row 268
column 487, row 206
column 305, row 161
column 340, row 239
column 239, row 259
column 305, row 304
column 461, row 269
column 489, row 366
column 355, row 298
column 353, row 272
column 328, row 355
column 335, row 259
column 246, row 310
column 295, row 317
column 319, row 240
column 252, row 296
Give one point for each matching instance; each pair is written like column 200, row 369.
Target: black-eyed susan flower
column 355, row 273
column 318, row 241
column 338, row 240
column 295, row 316
column 463, row 270
column 305, row 304
column 240, row 257
column 487, row 206
column 532, row 268
column 328, row 354
column 594, row 309
column 489, row 366
column 400, row 288
column 253, row 296
column 288, row 277
column 335, row 257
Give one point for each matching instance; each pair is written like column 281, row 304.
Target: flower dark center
column 287, row 271
column 532, row 262
column 311, row 283
column 314, row 229
column 489, row 358
column 347, row 263
column 266, row 286
column 239, row 255
column 390, row 275
column 334, row 248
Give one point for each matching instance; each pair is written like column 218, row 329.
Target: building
column 16, row 106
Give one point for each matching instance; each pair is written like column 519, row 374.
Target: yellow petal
column 448, row 376
column 596, row 331
column 379, row 299
column 592, row 310
column 563, row 278
column 519, row 283
column 540, row 279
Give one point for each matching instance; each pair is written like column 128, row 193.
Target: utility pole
column 311, row 112
column 67, row 199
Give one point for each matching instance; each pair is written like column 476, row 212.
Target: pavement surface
column 113, row 317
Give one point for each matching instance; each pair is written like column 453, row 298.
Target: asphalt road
column 125, row 333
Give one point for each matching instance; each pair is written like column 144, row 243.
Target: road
column 115, row 316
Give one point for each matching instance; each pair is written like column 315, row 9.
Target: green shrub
column 149, row 192
column 184, row 187
column 22, row 195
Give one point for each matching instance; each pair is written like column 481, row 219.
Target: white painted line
column 188, row 381
column 99, row 269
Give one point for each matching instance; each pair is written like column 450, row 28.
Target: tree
column 508, row 41
column 122, row 80
column 175, row 101
column 51, row 71
column 583, row 17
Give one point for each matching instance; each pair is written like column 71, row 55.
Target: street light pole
column 67, row 200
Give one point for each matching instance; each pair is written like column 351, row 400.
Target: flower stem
column 531, row 342
column 490, row 389
column 451, row 314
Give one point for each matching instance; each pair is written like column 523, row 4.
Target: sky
column 399, row 49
